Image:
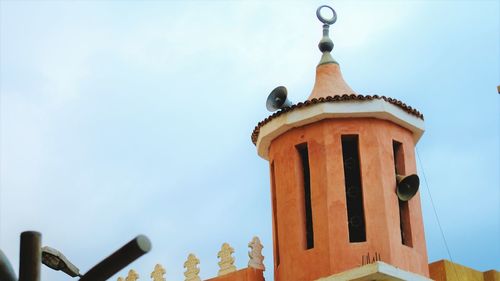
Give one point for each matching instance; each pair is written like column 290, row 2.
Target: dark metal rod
column 118, row 260
column 6, row 271
column 30, row 257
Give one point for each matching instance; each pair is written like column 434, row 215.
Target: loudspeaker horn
column 407, row 186
column 277, row 99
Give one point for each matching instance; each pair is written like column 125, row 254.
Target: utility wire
column 436, row 215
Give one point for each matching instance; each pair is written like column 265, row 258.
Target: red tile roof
column 337, row 98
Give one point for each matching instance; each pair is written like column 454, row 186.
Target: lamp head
column 57, row 261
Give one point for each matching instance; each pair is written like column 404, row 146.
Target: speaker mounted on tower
column 277, row 99
column 407, row 186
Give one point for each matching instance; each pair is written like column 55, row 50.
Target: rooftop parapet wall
column 227, row 269
column 445, row 270
column 246, row 274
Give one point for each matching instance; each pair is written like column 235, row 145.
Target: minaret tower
column 343, row 179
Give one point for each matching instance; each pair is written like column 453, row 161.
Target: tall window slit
column 353, row 189
column 275, row 217
column 404, row 211
column 306, row 183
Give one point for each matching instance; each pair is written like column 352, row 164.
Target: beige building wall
column 445, row 270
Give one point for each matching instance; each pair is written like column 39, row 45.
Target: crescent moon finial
column 329, row 21
column 326, row 44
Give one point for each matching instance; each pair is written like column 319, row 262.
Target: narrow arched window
column 353, row 189
column 404, row 210
column 306, row 187
column 275, row 216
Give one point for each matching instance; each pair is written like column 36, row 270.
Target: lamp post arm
column 118, row 260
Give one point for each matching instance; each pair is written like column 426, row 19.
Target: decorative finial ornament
column 132, row 276
column 158, row 273
column 255, row 255
column 226, row 263
column 192, row 269
column 326, row 44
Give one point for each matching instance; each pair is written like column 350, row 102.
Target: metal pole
column 30, row 257
column 118, row 260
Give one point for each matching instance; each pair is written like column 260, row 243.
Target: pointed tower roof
column 329, row 80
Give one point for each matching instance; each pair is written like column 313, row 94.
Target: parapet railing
column 226, row 263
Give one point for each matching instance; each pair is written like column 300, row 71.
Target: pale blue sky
column 120, row 118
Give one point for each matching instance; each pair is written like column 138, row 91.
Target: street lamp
column 32, row 255
column 57, row 261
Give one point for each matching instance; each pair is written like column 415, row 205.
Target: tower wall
column 332, row 251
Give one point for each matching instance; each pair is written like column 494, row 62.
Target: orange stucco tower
column 334, row 161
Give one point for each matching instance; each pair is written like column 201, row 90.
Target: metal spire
column 326, row 44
